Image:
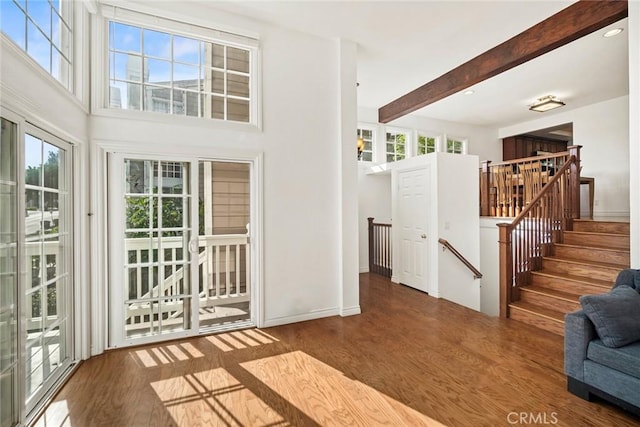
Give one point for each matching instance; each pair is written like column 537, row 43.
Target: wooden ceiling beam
column 571, row 23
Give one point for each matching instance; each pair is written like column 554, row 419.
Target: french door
column 36, row 255
column 172, row 273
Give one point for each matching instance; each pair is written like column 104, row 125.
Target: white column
column 634, row 129
column 348, row 182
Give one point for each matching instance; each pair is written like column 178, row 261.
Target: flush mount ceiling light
column 546, row 103
column 612, row 32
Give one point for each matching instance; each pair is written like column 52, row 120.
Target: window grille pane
column 179, row 75
column 42, row 29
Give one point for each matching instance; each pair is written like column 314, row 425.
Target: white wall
column 453, row 216
column 634, row 129
column 301, row 141
column 603, row 132
column 490, row 266
column 374, row 200
column 458, row 222
column 483, row 140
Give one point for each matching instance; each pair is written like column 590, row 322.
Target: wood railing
column 507, row 187
column 380, row 248
column 541, row 223
column 446, row 245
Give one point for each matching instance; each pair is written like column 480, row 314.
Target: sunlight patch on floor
column 166, row 354
column 214, row 397
column 329, row 397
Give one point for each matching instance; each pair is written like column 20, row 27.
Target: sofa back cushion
column 616, row 315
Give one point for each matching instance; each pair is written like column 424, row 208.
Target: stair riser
column 560, row 284
column 589, row 254
column 548, row 301
column 538, row 321
column 582, row 270
column 603, row 240
column 602, row 227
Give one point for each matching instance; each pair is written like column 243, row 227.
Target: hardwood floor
column 408, row 359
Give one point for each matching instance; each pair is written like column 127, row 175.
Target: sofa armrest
column 578, row 332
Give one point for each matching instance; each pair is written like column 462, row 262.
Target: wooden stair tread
column 605, row 284
column 578, row 261
column 538, row 311
column 568, row 296
column 596, row 233
column 598, row 248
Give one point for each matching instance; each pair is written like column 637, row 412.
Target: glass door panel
column 47, row 278
column 157, row 230
column 224, row 261
column 8, row 275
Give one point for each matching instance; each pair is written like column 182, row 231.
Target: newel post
column 505, row 268
column 574, row 180
column 370, row 244
column 485, row 185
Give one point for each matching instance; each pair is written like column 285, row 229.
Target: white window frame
column 373, row 129
column 68, row 21
column 463, row 140
column 408, row 145
column 436, row 136
column 148, row 19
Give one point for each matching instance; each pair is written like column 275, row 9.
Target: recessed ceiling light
column 612, row 32
column 469, row 92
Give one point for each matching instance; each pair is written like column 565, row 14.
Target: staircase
column 587, row 262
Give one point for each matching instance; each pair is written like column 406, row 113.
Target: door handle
column 423, row 236
column 193, row 245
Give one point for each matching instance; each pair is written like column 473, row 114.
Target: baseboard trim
column 350, row 311
column 364, row 269
column 318, row 314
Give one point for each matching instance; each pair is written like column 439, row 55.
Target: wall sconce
column 546, row 103
column 360, row 146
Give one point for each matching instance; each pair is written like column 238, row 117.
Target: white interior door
column 412, row 221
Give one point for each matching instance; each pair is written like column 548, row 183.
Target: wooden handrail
column 526, row 240
column 380, row 260
column 447, row 245
column 546, row 189
column 504, row 188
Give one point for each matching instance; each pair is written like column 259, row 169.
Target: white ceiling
column 402, row 45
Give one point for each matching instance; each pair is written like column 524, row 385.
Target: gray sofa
column 603, row 358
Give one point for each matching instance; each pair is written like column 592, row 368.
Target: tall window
column 162, row 72
column 396, row 146
column 427, row 144
column 367, row 150
column 42, row 28
column 455, row 146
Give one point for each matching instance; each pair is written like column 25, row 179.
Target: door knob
column 424, row 236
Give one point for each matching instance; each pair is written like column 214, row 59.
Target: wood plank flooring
column 408, row 359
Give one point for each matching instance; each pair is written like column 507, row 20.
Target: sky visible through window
column 157, row 71
column 42, row 29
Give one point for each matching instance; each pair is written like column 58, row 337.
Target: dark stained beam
column 577, row 20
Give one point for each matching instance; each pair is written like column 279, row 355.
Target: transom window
column 455, row 146
column 168, row 73
column 427, row 144
column 396, row 145
column 366, row 155
column 42, row 28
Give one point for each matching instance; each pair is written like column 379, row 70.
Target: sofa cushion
column 624, row 359
column 616, row 315
column 629, row 277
